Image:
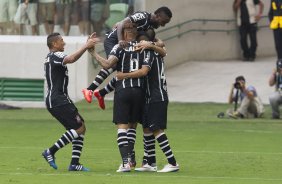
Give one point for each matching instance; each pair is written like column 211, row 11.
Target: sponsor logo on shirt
column 138, row 16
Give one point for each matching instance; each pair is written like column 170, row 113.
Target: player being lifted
column 144, row 21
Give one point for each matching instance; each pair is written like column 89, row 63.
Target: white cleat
column 124, row 168
column 147, row 168
column 169, row 168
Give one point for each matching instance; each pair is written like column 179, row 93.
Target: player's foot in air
column 87, row 95
column 78, row 167
column 49, row 158
column 100, row 99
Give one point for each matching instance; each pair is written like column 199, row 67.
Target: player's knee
column 81, row 129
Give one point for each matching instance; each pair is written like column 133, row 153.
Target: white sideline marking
column 230, row 152
column 184, row 151
column 158, row 176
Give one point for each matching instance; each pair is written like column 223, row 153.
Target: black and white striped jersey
column 56, row 74
column 156, row 86
column 142, row 19
column 130, row 60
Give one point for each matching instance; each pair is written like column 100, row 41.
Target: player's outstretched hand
column 93, row 38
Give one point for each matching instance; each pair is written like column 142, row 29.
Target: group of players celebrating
column 140, row 91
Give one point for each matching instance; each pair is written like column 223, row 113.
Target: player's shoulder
column 60, row 54
column 139, row 15
column 115, row 49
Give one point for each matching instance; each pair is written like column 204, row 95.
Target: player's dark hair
column 151, row 34
column 164, row 9
column 241, row 77
column 51, row 38
column 128, row 25
column 141, row 34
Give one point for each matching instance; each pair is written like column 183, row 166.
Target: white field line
column 161, row 175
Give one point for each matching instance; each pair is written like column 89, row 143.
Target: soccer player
column 58, row 102
column 155, row 113
column 129, row 95
column 148, row 35
column 144, row 21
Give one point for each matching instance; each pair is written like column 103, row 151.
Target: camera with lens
column 237, row 85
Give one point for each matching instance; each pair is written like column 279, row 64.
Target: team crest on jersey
column 138, row 16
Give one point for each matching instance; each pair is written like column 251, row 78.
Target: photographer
column 276, row 98
column 250, row 103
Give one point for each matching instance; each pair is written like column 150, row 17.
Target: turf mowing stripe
column 161, row 175
column 183, row 151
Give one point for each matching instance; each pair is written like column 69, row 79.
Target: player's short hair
column 164, row 9
column 128, row 25
column 239, row 78
column 149, row 35
column 51, row 38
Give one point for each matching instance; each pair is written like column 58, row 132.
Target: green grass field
column 208, row 149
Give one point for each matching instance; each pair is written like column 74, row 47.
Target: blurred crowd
column 22, row 17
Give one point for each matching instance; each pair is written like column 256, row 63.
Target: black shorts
column 128, row 105
column 68, row 116
column 155, row 116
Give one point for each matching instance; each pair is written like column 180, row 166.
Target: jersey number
column 163, row 80
column 134, row 65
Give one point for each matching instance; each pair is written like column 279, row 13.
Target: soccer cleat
column 147, row 168
column 235, row 115
column 169, row 168
column 78, row 167
column 100, row 99
column 49, row 158
column 87, row 95
column 124, row 168
column 131, row 159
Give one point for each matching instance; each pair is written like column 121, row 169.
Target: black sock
column 150, row 148
column 66, row 138
column 108, row 88
column 164, row 145
column 77, row 145
column 102, row 75
column 123, row 145
column 131, row 137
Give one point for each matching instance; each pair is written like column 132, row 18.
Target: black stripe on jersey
column 156, row 89
column 128, row 61
column 56, row 74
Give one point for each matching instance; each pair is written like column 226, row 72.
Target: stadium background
column 199, row 31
